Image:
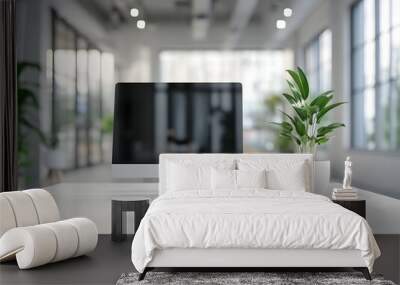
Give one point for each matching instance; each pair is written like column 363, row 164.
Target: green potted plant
column 306, row 126
column 27, row 103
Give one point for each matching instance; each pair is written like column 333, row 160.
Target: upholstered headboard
column 210, row 158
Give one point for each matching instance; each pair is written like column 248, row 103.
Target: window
column 259, row 73
column 318, row 62
column 375, row 75
column 77, row 72
column 318, row 65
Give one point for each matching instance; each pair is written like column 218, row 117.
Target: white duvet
column 250, row 219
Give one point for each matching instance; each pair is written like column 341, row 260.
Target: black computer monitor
column 154, row 118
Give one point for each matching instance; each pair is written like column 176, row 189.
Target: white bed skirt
column 191, row 257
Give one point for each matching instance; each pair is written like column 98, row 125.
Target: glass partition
column 77, row 110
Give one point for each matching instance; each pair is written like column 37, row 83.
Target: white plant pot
column 56, row 159
column 322, row 175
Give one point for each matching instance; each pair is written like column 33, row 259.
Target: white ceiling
column 178, row 10
column 235, row 15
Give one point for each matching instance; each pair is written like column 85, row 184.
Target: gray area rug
column 228, row 278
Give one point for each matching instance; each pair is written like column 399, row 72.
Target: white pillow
column 188, row 177
column 228, row 179
column 223, row 179
column 282, row 174
column 180, row 173
column 251, row 178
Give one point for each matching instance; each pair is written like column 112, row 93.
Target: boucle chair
column 31, row 230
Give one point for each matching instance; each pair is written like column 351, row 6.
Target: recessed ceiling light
column 134, row 12
column 280, row 24
column 287, row 12
column 141, row 24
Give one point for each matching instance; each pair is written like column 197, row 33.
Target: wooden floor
column 110, row 260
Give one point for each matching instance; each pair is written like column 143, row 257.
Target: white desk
column 93, row 200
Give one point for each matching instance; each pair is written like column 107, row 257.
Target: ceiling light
column 287, row 12
column 280, row 24
column 141, row 24
column 134, row 12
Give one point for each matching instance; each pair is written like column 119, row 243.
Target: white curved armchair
column 31, row 230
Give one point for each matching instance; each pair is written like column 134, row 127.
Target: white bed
column 249, row 227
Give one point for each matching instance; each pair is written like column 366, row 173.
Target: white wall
column 375, row 171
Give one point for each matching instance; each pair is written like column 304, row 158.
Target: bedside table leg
column 116, row 222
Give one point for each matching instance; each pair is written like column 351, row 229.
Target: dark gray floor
column 103, row 266
column 389, row 262
column 110, row 260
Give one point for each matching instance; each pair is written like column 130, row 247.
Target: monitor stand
column 140, row 173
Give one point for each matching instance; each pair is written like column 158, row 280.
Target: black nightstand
column 357, row 206
column 119, row 205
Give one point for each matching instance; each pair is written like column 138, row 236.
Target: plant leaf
column 303, row 79
column 322, row 140
column 291, row 99
column 301, row 112
column 24, row 122
column 289, row 117
column 287, row 126
column 23, row 65
column 291, row 85
column 291, row 136
column 299, row 126
column 297, row 95
column 276, row 124
column 311, row 110
column 325, row 110
column 29, row 83
column 24, row 95
column 323, row 99
column 297, row 81
column 295, row 91
column 322, row 131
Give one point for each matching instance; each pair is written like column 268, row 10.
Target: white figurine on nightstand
column 347, row 174
column 346, row 192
